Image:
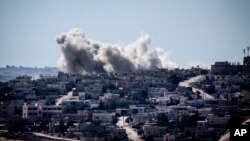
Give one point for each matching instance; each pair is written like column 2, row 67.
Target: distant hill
column 11, row 72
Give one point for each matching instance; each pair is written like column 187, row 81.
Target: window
column 32, row 108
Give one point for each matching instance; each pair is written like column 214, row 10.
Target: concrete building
column 156, row 92
column 103, row 117
column 122, row 112
column 226, row 68
column 108, row 96
column 11, row 108
column 246, row 65
column 34, row 110
column 153, row 130
column 141, row 118
column 216, row 120
column 169, row 137
column 136, row 109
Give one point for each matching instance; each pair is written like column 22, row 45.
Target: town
column 159, row 105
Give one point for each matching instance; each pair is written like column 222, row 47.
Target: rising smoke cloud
column 79, row 55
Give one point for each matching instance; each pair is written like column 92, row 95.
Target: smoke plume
column 80, row 55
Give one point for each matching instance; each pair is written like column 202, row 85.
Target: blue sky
column 192, row 31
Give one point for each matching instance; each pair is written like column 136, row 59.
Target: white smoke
column 80, row 55
column 187, row 83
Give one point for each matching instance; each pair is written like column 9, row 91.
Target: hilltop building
column 227, row 68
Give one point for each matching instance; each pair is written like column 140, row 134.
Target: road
column 53, row 137
column 187, row 83
column 132, row 134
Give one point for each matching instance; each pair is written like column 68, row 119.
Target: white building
column 108, row 96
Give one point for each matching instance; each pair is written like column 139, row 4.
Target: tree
column 70, row 123
column 144, row 93
column 115, row 120
column 4, row 93
column 61, row 127
column 43, row 126
column 174, row 79
column 149, row 138
column 210, row 89
column 17, row 124
column 187, row 120
column 162, row 119
column 51, row 101
column 204, row 72
column 129, row 119
column 108, row 87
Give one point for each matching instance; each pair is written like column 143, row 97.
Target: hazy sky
column 192, row 31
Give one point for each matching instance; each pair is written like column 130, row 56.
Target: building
column 108, row 96
column 169, row 137
column 216, row 120
column 34, row 110
column 122, row 112
column 246, row 65
column 154, row 131
column 226, row 68
column 103, row 117
column 141, row 118
column 134, row 109
column 156, row 92
column 163, row 100
column 11, row 108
